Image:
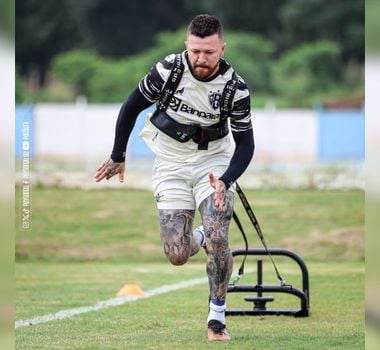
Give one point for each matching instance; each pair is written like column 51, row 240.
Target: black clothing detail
column 131, row 108
column 241, row 158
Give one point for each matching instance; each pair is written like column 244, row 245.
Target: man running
column 197, row 162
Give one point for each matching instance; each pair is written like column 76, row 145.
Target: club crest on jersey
column 174, row 103
column 214, row 99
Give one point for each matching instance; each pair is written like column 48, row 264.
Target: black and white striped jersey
column 197, row 101
column 194, row 102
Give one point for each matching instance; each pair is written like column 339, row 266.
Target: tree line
column 91, row 46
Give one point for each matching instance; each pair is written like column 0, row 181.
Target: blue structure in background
column 24, row 131
column 137, row 148
column 341, row 135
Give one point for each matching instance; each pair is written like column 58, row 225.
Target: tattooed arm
column 131, row 108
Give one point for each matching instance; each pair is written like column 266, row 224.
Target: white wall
column 87, row 131
column 63, row 130
column 285, row 135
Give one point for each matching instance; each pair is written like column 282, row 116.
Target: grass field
column 84, row 245
column 77, row 225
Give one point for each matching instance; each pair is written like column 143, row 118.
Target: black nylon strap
column 172, row 83
column 239, row 225
column 228, row 96
column 177, row 131
column 184, row 132
column 175, row 77
column 257, row 227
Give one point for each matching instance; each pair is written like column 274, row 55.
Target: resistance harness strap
column 257, row 227
column 201, row 135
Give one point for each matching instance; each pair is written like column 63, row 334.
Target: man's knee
column 175, row 227
column 218, row 242
column 176, row 257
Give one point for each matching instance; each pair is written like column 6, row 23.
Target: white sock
column 217, row 313
column 199, row 236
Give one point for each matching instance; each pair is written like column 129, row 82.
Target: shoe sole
column 217, row 336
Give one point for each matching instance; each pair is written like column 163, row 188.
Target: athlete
column 197, row 161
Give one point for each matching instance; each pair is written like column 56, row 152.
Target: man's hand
column 108, row 169
column 220, row 192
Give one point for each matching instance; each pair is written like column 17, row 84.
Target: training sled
column 260, row 299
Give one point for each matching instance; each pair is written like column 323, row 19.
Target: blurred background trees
column 295, row 52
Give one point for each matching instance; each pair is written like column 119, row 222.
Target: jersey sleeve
column 128, row 114
column 242, row 133
column 241, row 111
column 152, row 84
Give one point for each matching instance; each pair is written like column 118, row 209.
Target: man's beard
column 204, row 71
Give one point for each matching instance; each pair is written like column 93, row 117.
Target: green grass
column 85, row 245
column 177, row 319
column 122, row 225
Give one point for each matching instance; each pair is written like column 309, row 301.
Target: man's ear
column 224, row 48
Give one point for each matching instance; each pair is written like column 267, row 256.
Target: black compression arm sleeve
column 244, row 148
column 135, row 103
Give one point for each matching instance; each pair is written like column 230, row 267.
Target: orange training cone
column 130, row 290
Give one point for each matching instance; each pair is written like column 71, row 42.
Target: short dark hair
column 205, row 25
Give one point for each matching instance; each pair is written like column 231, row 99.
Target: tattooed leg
column 177, row 236
column 219, row 264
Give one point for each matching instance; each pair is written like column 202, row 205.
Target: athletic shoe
column 217, row 331
column 201, row 231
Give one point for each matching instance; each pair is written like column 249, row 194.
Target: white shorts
column 185, row 185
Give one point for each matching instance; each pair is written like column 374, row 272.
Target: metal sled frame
column 259, row 301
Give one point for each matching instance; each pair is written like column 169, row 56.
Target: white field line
column 108, row 303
